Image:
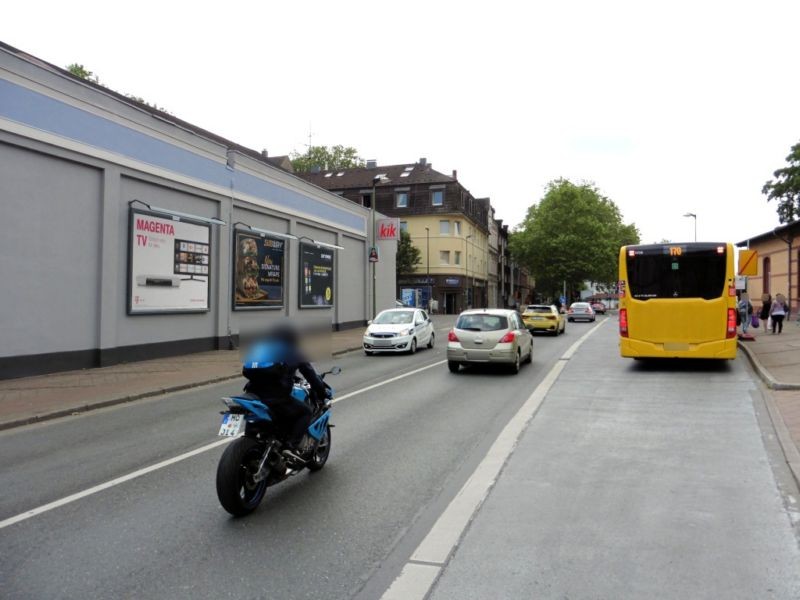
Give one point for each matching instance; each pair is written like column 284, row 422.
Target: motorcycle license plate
column 231, row 424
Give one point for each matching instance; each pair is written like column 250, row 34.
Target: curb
column 765, row 375
column 74, row 410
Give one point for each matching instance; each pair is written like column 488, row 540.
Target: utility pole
column 428, row 265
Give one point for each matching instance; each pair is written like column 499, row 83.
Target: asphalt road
column 400, row 453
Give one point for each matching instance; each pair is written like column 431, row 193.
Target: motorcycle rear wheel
column 236, row 490
column 322, row 452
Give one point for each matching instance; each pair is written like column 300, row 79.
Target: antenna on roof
column 308, row 145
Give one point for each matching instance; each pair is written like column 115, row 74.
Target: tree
column 785, row 188
column 573, row 234
column 408, row 255
column 80, row 71
column 326, row 158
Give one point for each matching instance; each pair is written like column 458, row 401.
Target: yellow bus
column 677, row 301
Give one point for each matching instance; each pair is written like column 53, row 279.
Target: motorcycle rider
column 270, row 368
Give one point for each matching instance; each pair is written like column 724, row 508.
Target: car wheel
column 514, row 368
column 431, row 341
column 570, row 320
column 529, row 359
column 368, row 352
column 413, row 347
column 453, row 366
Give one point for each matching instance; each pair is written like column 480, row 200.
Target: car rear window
column 539, row 310
column 482, row 322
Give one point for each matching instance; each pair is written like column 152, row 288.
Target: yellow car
column 543, row 317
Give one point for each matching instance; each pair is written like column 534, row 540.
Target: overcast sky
column 669, row 107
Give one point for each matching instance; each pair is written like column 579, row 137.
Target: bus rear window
column 686, row 271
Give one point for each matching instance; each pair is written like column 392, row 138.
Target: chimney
column 423, row 161
column 372, row 164
column 264, row 153
column 455, row 174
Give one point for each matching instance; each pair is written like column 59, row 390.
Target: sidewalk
column 776, row 359
column 31, row 399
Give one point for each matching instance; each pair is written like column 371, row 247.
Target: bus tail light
column 623, row 322
column 451, row 336
column 507, row 338
column 731, row 332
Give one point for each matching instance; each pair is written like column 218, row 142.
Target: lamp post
column 694, row 216
column 428, row 265
column 466, row 271
column 375, row 180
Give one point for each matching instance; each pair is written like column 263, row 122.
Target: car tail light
column 507, row 338
column 451, row 336
column 569, row 312
column 623, row 322
column 731, row 332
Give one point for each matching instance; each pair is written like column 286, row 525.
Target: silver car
column 580, row 310
column 489, row 336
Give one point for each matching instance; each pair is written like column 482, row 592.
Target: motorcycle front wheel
column 322, row 452
column 236, row 490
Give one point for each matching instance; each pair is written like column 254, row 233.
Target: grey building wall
column 72, row 158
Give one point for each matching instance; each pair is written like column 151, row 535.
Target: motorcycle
column 255, row 460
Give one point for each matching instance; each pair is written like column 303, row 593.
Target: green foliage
column 326, row 158
column 408, row 255
column 80, row 71
column 785, row 188
column 573, row 234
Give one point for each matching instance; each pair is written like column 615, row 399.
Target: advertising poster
column 316, row 277
column 169, row 264
column 257, row 271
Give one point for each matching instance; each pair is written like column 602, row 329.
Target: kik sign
column 388, row 229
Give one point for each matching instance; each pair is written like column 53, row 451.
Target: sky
column 667, row 107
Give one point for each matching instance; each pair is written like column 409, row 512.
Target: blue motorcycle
column 255, row 459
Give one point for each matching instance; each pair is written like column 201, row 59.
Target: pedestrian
column 745, row 311
column 766, row 303
column 777, row 312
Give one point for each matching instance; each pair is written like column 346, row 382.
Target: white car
column 399, row 330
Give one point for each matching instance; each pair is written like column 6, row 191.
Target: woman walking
column 766, row 304
column 778, row 311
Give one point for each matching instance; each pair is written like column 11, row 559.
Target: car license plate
column 231, row 424
column 538, row 318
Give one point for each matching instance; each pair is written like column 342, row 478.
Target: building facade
column 778, row 265
column 443, row 219
column 130, row 234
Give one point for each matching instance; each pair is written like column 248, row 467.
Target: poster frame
column 132, row 212
column 284, row 279
column 300, row 304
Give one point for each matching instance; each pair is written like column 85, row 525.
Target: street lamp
column 428, row 265
column 694, row 216
column 380, row 178
column 466, row 271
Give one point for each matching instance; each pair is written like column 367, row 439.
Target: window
column 444, row 227
column 366, row 200
column 457, row 227
column 401, row 199
column 696, row 273
column 444, row 257
column 479, row 322
column 437, row 197
column 457, row 258
column 403, row 225
column 767, row 266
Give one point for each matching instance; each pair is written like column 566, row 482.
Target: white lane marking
column 376, row 385
column 414, row 582
column 171, row 461
column 104, row 486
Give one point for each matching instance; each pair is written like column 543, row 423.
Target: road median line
column 423, row 568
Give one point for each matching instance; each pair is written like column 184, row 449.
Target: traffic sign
column 748, row 262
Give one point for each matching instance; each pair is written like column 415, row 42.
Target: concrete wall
column 72, row 158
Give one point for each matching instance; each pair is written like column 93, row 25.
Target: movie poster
column 169, row 264
column 257, row 271
column 316, row 277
